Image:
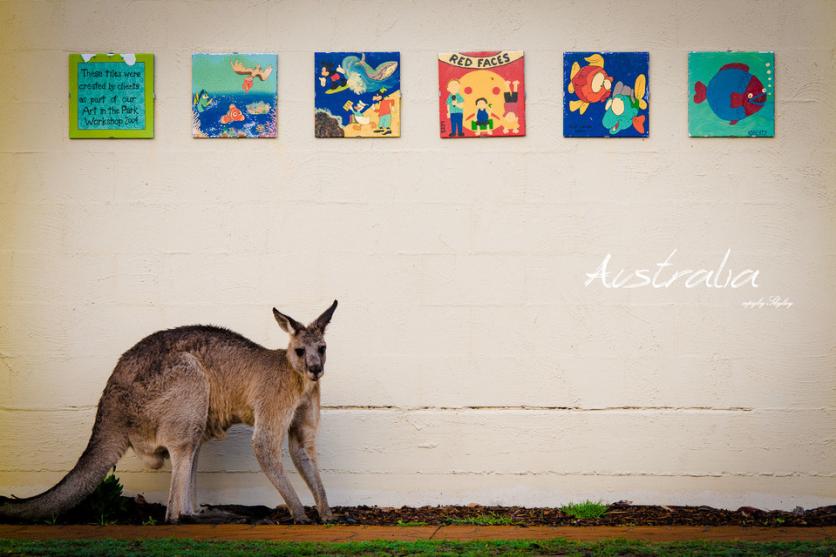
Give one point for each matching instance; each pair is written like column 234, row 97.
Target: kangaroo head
column 306, row 349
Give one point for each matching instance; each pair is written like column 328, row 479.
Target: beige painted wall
column 468, row 360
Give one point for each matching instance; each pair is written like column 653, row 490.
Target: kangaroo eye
column 322, row 350
column 300, row 352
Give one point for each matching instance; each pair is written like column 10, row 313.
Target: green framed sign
column 111, row 96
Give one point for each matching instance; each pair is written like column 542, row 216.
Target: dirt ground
column 618, row 514
column 138, row 511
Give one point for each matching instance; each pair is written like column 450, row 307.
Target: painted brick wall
column 468, row 361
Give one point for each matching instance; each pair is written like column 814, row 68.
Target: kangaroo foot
column 302, row 519
column 330, row 518
column 213, row 516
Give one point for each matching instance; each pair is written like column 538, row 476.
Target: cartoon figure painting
column 481, row 94
column 226, row 105
column 606, row 94
column 732, row 94
column 357, row 94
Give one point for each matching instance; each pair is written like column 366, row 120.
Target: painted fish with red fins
column 622, row 110
column 733, row 93
column 233, row 115
column 590, row 83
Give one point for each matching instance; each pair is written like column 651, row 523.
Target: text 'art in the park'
column 111, row 96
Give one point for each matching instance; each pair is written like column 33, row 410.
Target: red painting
column 481, row 94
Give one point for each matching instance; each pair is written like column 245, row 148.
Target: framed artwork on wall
column 481, row 94
column 731, row 94
column 234, row 95
column 606, row 94
column 111, row 96
column 357, row 94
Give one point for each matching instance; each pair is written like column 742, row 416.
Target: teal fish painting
column 731, row 94
column 202, row 101
column 622, row 110
column 234, row 95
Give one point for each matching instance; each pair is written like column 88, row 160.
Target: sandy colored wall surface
column 468, row 360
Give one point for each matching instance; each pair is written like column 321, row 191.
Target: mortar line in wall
column 478, row 473
column 539, row 408
column 476, row 408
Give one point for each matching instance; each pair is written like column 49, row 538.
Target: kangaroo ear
column 287, row 323
column 323, row 320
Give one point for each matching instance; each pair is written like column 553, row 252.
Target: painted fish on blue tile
column 622, row 110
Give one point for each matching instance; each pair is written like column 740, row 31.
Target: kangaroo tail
column 107, row 444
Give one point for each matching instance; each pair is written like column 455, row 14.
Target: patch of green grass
column 412, row 523
column 483, row 520
column 587, row 509
column 609, row 548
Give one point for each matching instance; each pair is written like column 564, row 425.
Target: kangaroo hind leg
column 182, row 409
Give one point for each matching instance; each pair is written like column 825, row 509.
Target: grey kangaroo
column 177, row 388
